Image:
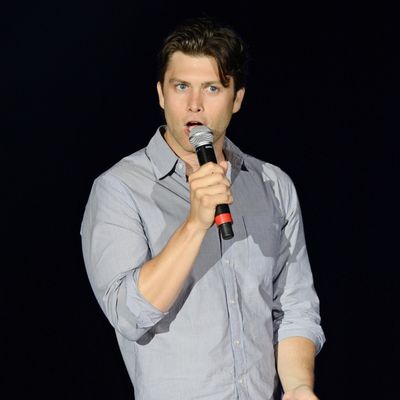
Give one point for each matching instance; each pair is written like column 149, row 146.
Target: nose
column 195, row 101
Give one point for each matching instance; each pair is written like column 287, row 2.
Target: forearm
column 161, row 279
column 295, row 358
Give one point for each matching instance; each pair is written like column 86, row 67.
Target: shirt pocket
column 262, row 244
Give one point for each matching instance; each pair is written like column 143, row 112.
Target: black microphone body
column 201, row 139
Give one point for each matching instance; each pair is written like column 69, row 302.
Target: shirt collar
column 164, row 160
column 161, row 156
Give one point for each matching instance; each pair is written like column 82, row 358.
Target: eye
column 181, row 86
column 213, row 89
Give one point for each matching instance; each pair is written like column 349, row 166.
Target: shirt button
column 237, row 342
column 241, row 381
column 226, row 261
column 232, row 301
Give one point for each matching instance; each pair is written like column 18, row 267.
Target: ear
column 160, row 94
column 237, row 102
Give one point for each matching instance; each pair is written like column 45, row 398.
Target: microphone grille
column 200, row 136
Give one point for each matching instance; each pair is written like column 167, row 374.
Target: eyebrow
column 204, row 84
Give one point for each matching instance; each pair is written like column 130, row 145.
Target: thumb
column 224, row 165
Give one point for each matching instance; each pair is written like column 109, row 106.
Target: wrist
column 192, row 230
column 295, row 386
column 305, row 385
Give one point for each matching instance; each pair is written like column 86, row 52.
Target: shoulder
column 274, row 177
column 129, row 167
column 129, row 171
column 118, row 186
column 270, row 173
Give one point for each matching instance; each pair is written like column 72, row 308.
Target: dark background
column 78, row 94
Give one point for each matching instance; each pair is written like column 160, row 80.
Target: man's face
column 192, row 94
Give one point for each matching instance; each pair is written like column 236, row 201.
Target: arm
column 295, row 364
column 298, row 335
column 115, row 251
column 161, row 279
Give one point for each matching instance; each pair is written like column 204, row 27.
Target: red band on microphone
column 223, row 218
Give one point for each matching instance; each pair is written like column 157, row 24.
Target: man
column 197, row 316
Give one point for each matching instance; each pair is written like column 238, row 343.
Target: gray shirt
column 242, row 296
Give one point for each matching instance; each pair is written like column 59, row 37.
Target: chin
column 189, row 149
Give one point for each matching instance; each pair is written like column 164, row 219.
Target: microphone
column 201, row 138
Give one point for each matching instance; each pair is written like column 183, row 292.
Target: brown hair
column 205, row 37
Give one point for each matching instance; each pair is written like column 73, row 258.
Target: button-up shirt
column 242, row 296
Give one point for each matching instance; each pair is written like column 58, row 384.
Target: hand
column 301, row 392
column 208, row 187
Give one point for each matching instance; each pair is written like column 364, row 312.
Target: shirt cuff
column 316, row 336
column 146, row 314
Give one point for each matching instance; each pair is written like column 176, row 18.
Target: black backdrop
column 78, row 94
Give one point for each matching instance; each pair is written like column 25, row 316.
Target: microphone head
column 200, row 135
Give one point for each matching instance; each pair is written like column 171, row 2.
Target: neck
column 189, row 157
column 192, row 162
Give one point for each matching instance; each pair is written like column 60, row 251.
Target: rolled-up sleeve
column 295, row 302
column 114, row 248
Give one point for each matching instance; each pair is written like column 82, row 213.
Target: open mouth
column 191, row 124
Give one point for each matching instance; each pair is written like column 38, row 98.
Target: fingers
column 214, row 180
column 212, row 196
column 207, row 169
column 208, row 187
column 208, row 175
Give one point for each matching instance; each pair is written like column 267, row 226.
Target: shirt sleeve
column 114, row 248
column 295, row 301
